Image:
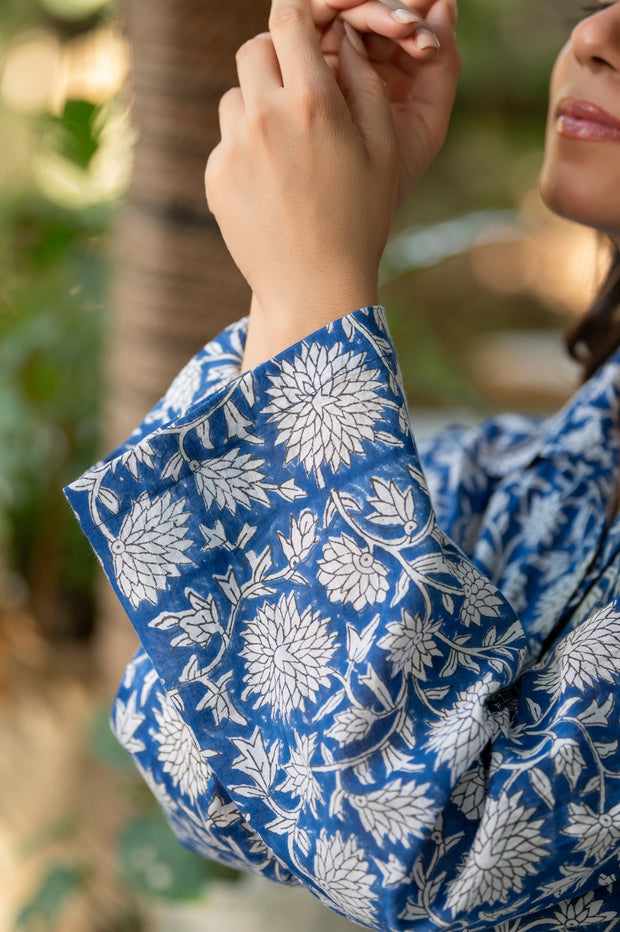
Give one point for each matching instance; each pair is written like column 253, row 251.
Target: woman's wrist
column 272, row 329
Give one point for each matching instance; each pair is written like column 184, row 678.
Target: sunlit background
column 479, row 281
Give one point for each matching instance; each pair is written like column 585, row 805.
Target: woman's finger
column 297, row 45
column 366, row 97
column 258, row 70
column 379, row 19
column 231, row 112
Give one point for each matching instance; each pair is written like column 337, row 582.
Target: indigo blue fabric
column 392, row 679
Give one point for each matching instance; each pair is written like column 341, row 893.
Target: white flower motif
column 150, row 547
column 230, row 480
column 481, row 597
column 350, row 573
column 507, row 847
column 567, row 759
column 461, row 731
column 287, row 656
column 575, row 914
column 598, row 833
column 300, row 780
column 183, row 389
column 411, row 645
column 588, row 655
column 179, row 751
column 326, row 403
column 342, row 872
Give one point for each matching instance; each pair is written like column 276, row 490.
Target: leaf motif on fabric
column 230, row 481
column 236, row 423
column 199, row 623
column 411, row 645
column 359, row 644
column 351, row 725
column 257, row 761
column 461, row 731
column 221, row 814
column 507, row 848
column 567, row 759
column 219, row 700
column 541, row 784
column 588, row 655
column 396, row 812
column 215, row 537
column 302, row 537
column 109, row 500
column 125, row 723
column 173, row 467
column 179, row 752
column 301, row 781
column 480, row 596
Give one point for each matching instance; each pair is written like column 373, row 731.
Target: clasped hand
column 324, row 136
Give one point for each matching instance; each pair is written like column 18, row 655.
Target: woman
column 407, row 702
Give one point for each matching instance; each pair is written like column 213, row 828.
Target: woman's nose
column 596, row 40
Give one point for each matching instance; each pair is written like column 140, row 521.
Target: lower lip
column 572, row 128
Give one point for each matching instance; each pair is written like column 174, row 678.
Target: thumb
column 365, row 93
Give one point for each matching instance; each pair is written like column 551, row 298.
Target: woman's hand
column 303, row 181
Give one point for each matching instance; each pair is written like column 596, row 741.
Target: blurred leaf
column 44, row 910
column 77, row 135
column 153, row 862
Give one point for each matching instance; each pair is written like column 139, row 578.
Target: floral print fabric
column 392, row 679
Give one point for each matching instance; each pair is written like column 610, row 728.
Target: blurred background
column 112, row 275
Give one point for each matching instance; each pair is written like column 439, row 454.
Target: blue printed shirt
column 392, row 678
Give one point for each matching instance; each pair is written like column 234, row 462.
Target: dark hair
column 597, row 334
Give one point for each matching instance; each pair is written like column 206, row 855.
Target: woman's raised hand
column 303, row 181
column 323, row 138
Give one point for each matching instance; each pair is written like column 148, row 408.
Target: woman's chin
column 591, row 205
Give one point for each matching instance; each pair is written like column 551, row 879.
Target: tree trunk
column 175, row 285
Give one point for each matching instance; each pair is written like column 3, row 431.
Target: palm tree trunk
column 175, row 286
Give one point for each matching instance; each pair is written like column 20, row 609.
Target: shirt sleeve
column 328, row 689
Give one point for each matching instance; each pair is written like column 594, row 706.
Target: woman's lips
column 577, row 118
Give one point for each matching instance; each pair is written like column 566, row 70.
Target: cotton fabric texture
column 392, row 679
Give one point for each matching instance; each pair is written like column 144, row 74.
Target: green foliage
column 45, row 910
column 154, row 864
column 77, row 131
column 50, row 338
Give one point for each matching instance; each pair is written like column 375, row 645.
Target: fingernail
column 354, row 39
column 404, row 16
column 425, row 39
